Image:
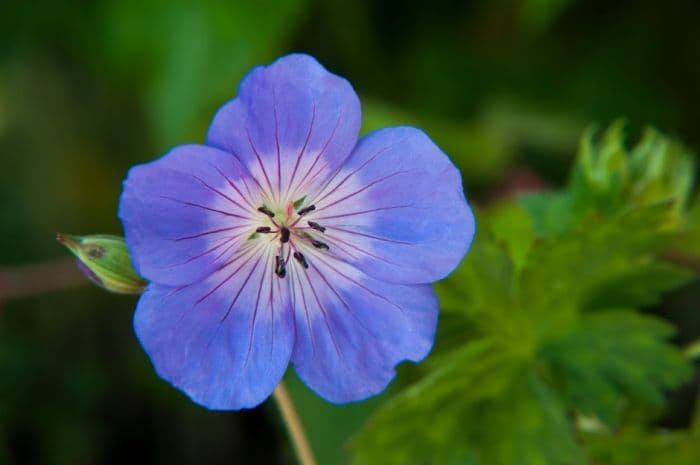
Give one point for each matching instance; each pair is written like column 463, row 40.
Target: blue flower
column 284, row 238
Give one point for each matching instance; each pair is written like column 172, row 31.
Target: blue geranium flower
column 284, row 238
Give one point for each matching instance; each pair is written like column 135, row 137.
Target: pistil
column 284, row 235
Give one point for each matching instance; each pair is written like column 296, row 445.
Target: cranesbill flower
column 284, row 238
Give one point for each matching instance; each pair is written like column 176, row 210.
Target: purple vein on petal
column 202, row 254
column 309, row 240
column 293, row 291
column 255, row 316
column 303, row 148
column 241, row 252
column 321, row 152
column 238, row 294
column 223, row 252
column 340, row 247
column 234, row 187
column 247, row 169
column 262, row 191
column 178, row 324
column 218, row 192
column 223, row 319
column 335, row 238
column 299, row 284
column 371, row 236
column 260, row 163
column 225, row 280
column 177, row 290
column 196, row 205
column 338, row 296
column 277, row 142
column 271, row 304
column 348, row 176
column 362, row 189
column 212, row 231
column 323, row 313
column 371, row 210
column 362, row 286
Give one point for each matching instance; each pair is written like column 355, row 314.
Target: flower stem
column 294, row 426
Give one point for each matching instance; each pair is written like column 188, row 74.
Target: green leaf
column 513, row 227
column 564, row 272
column 529, row 427
column 479, row 294
column 634, row 446
column 457, row 388
column 640, row 286
column 552, row 213
column 481, row 406
column 613, row 354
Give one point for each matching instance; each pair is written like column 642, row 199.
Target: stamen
column 301, row 259
column 266, row 211
column 319, row 244
column 284, row 234
column 280, row 267
column 263, row 229
column 306, row 210
column 316, row 226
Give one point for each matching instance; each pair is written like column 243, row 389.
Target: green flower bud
column 655, row 170
column 105, row 260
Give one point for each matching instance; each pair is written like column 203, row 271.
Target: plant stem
column 294, row 426
column 39, row 278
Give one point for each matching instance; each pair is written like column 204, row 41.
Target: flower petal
column 397, row 209
column 226, row 341
column 292, row 123
column 186, row 213
column 352, row 330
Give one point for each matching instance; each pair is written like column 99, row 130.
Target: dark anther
column 319, row 244
column 284, row 234
column 301, row 259
column 280, row 268
column 316, row 226
column 263, row 229
column 306, row 210
column 266, row 211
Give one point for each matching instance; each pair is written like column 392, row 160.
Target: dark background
column 88, row 89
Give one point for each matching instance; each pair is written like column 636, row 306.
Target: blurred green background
column 88, row 89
